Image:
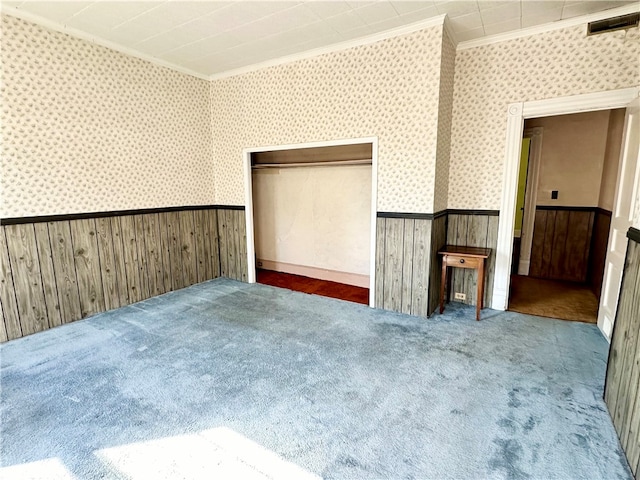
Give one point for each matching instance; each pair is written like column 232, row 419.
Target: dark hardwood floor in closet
column 313, row 285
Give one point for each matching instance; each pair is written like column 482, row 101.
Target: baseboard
column 354, row 279
column 523, row 267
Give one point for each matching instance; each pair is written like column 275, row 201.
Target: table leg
column 480, row 299
column 443, row 281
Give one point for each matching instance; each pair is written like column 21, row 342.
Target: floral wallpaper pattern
column 388, row 89
column 444, row 124
column 549, row 65
column 85, row 128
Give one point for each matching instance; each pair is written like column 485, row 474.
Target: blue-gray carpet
column 231, row 380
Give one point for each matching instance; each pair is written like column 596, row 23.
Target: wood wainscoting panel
column 599, row 241
column 475, row 229
column 622, row 390
column 27, row 279
column 438, row 240
column 403, row 257
column 232, row 233
column 561, row 243
column 56, row 272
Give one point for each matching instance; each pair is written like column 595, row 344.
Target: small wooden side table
column 464, row 257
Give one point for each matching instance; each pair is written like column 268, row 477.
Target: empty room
column 320, row 239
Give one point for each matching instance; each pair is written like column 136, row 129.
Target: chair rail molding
column 516, row 114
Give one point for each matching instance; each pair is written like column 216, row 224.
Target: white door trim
column 516, row 114
column 248, row 200
column 530, row 198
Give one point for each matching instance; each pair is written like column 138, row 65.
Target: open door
column 621, row 219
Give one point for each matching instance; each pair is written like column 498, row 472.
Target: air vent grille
column 615, row 23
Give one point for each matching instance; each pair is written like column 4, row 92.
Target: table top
column 463, row 250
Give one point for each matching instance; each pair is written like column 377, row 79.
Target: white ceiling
column 212, row 37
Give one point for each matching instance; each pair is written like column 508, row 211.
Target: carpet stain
column 507, row 458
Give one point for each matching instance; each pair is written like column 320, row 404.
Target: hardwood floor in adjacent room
column 324, row 288
column 553, row 299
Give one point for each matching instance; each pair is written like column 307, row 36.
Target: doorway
column 516, row 115
column 311, row 217
column 570, row 186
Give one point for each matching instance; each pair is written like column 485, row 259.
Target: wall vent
column 614, row 23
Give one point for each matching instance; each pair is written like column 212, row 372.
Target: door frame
column 248, row 196
column 530, row 198
column 516, row 115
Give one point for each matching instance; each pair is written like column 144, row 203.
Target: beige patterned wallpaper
column 85, row 128
column 553, row 64
column 445, row 105
column 388, row 89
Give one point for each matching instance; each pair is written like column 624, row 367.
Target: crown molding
column 548, row 27
column 74, row 32
column 336, row 47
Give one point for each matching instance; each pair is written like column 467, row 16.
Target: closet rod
column 313, row 164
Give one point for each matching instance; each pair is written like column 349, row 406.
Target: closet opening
column 311, row 217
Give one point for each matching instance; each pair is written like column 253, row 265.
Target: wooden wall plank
column 600, row 238
column 129, row 242
column 119, row 266
column 87, row 260
column 380, row 261
column 394, row 247
column 188, row 248
column 407, row 265
column 3, row 328
column 49, row 286
column 7, row 292
column 242, row 244
column 65, row 270
column 233, row 242
column 203, row 245
column 215, row 244
column 223, row 242
column 458, row 276
column 476, row 237
column 153, row 251
column 537, row 243
column 438, row 240
column 175, row 250
column 621, row 393
column 628, row 351
column 557, row 248
column 141, row 251
column 419, row 281
column 165, row 251
column 547, row 250
column 107, row 263
column 27, row 279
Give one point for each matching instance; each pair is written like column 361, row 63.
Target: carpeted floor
column 316, row 286
column 231, row 380
column 553, row 299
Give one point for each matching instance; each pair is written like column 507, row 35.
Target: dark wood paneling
column 421, row 260
column 61, row 271
column 381, row 225
column 561, row 244
column 438, row 240
column 599, row 241
column 622, row 390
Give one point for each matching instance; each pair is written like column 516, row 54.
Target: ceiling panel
column 211, row 37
